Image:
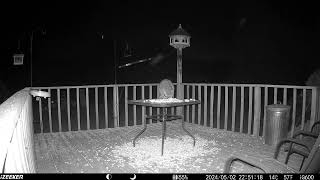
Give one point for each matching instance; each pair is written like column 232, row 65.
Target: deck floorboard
column 91, row 151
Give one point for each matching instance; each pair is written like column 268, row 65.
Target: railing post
column 257, row 111
column 315, row 105
column 317, row 118
column 115, row 106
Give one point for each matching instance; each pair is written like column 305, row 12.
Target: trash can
column 277, row 122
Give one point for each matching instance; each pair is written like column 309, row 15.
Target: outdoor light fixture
column 18, row 59
column 18, row 56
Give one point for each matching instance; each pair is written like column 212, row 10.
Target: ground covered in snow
column 111, row 150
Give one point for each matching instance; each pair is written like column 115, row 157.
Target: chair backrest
column 166, row 89
column 312, row 164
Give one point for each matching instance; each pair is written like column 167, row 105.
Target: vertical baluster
column 59, row 110
column 211, row 105
column 143, row 107
column 40, row 115
column 150, row 108
column 87, row 108
column 126, row 112
column 294, row 104
column 188, row 107
column 106, row 106
column 96, row 95
column 233, row 108
column 49, row 109
column 242, row 109
column 115, row 106
column 205, row 111
column 199, row 105
column 275, row 95
column 193, row 106
column 218, row 107
column 264, row 110
column 250, row 110
column 78, row 108
column 226, row 107
column 134, row 106
column 68, row 109
column 285, row 96
column 257, row 111
column 303, row 108
column 158, row 94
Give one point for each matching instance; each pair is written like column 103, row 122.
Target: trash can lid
column 278, row 107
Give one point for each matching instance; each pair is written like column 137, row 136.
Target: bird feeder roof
column 179, row 31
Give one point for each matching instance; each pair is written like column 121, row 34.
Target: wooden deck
column 97, row 151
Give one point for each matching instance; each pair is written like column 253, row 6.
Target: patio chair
column 312, row 164
column 299, row 146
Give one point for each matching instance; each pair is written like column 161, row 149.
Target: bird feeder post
column 179, row 74
column 179, row 39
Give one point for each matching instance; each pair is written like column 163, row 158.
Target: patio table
column 164, row 116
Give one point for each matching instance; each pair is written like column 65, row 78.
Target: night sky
column 74, row 43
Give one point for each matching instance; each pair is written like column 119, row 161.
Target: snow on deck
column 111, row 150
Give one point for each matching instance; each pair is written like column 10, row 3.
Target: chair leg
column 288, row 154
column 227, row 165
column 302, row 163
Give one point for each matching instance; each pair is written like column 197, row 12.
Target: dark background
column 231, row 42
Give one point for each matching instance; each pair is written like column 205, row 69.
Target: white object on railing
column 38, row 93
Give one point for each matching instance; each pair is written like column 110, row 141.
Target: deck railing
column 242, row 107
column 16, row 134
column 234, row 107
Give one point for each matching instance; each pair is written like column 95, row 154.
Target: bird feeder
column 179, row 38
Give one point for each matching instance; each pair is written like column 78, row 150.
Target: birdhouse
column 18, row 59
column 179, row 38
